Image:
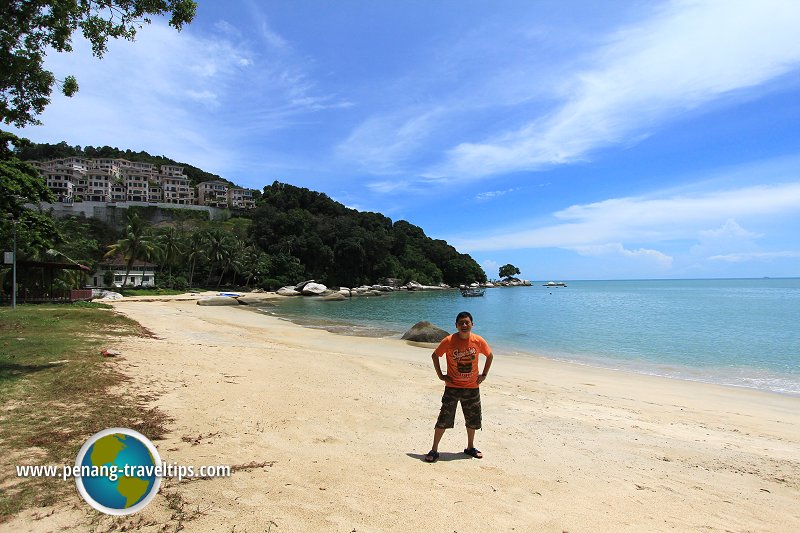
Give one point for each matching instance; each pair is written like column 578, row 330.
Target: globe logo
column 120, row 471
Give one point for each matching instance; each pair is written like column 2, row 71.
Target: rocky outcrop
column 512, row 282
column 256, row 298
column 424, row 332
column 313, row 289
column 414, row 286
column 288, row 291
column 218, row 300
column 334, row 297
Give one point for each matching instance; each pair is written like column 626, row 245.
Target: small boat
column 473, row 291
column 554, row 284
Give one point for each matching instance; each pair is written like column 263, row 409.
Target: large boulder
column 287, row 291
column 218, row 300
column 334, row 297
column 299, row 286
column 314, row 289
column 255, row 298
column 424, row 332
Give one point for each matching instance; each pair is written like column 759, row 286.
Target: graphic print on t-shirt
column 464, row 360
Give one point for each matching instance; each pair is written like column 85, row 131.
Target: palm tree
column 218, row 250
column 136, row 243
column 170, row 243
column 195, row 250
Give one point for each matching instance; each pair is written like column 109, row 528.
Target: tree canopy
column 342, row 246
column 509, row 270
column 21, row 184
column 28, row 28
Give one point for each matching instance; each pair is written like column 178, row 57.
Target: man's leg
column 437, row 436
column 470, row 438
column 471, row 407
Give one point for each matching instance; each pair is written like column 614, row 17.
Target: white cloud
column 492, row 194
column 754, row 256
column 383, row 142
column 492, row 268
column 190, row 96
column 731, row 229
column 618, row 249
column 645, row 219
column 387, row 186
column 687, row 55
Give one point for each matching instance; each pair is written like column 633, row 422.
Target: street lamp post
column 14, row 268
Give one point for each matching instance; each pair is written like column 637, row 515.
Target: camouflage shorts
column 470, row 405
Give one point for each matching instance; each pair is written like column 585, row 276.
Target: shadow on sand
column 443, row 456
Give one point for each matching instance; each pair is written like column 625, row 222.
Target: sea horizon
column 726, row 331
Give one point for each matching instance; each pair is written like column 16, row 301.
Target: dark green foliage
column 342, row 246
column 509, row 270
column 20, row 183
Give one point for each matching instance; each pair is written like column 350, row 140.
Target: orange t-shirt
column 462, row 359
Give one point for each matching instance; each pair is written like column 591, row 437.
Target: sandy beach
column 338, row 427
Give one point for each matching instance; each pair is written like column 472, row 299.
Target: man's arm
column 438, row 368
column 486, row 366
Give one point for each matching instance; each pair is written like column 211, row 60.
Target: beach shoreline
column 340, row 425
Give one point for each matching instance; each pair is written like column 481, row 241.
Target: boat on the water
column 473, row 291
column 554, row 284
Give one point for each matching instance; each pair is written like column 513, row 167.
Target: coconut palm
column 218, row 251
column 171, row 247
column 195, row 250
column 136, row 243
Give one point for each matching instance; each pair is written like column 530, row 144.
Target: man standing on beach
column 462, row 382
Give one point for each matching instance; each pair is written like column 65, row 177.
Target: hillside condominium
column 120, row 180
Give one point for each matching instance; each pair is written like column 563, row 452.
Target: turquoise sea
column 737, row 332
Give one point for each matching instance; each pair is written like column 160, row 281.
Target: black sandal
column 432, row 457
column 473, row 452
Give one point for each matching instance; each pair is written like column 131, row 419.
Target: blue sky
column 576, row 140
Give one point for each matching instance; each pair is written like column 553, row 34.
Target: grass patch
column 56, row 390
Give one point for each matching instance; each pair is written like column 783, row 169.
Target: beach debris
column 109, row 295
column 109, row 352
column 424, row 331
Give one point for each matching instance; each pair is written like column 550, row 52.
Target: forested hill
column 300, row 233
column 343, row 246
column 45, row 152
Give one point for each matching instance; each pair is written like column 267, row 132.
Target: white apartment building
column 178, row 190
column 99, row 185
column 120, row 180
column 241, row 198
column 213, row 193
